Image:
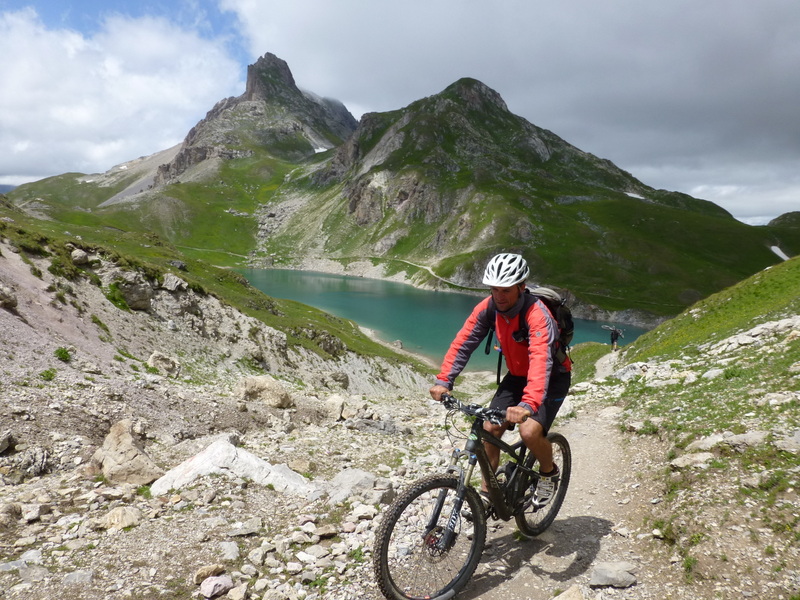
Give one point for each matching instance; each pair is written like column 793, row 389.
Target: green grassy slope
column 731, row 407
column 769, row 295
column 304, row 325
column 445, row 182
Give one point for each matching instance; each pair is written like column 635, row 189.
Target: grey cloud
column 684, row 95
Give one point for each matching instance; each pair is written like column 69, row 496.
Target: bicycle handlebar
column 495, row 416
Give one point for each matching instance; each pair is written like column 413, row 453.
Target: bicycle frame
column 435, row 557
column 475, row 452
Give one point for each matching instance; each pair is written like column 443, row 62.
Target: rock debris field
column 122, row 477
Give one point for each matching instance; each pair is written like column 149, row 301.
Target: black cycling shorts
column 509, row 393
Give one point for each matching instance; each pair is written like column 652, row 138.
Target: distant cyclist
column 536, row 384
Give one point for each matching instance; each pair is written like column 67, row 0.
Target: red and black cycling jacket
column 532, row 358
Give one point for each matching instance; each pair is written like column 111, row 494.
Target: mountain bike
column 431, row 537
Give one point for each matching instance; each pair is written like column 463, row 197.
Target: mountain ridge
column 444, row 182
column 282, row 116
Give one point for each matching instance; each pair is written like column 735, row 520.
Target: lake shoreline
column 394, row 347
column 365, row 268
column 368, row 270
column 419, row 323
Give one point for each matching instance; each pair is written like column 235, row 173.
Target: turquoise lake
column 424, row 321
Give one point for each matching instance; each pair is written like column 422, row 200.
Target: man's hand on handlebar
column 517, row 414
column 437, row 391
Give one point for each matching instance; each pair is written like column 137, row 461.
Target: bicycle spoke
column 419, row 561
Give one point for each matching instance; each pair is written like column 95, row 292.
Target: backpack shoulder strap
column 491, row 315
column 529, row 301
column 491, row 312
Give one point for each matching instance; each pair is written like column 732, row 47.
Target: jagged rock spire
column 285, row 118
column 268, row 77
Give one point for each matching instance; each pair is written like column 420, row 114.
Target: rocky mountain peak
column 477, row 95
column 273, row 115
column 269, row 77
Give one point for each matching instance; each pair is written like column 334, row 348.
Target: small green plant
column 144, row 492
column 689, row 564
column 114, row 295
column 48, row 374
column 96, row 320
column 648, row 428
column 356, row 555
column 63, row 354
column 733, row 372
column 319, row 583
column 696, row 538
column 126, row 354
column 668, row 532
column 518, row 537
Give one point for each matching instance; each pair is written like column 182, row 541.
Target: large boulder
column 165, row 365
column 265, row 389
column 7, row 297
column 223, row 458
column 119, row 518
column 122, row 458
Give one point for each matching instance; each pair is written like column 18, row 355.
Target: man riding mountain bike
column 536, row 384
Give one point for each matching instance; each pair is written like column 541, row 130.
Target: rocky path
column 61, row 532
column 595, row 524
column 601, row 525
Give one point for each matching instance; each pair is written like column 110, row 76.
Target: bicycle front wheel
column 426, row 545
column 532, row 519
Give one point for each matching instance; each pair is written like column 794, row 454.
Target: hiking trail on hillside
column 601, row 524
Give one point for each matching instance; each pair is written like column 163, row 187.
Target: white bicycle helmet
column 505, row 270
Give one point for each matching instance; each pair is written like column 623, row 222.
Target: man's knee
column 495, row 430
column 531, row 430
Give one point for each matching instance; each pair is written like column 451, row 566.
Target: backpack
column 557, row 307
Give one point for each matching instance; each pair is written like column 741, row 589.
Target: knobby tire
column 532, row 521
column 407, row 561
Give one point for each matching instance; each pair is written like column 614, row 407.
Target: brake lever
column 497, row 417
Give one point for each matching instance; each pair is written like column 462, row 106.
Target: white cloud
column 73, row 102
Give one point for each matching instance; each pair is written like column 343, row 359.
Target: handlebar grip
column 448, row 400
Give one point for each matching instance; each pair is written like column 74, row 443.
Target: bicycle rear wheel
column 533, row 520
column 411, row 559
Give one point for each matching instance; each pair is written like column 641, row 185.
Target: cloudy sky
column 697, row 97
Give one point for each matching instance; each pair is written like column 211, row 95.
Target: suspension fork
column 464, row 476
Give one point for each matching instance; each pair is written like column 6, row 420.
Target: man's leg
column 532, row 434
column 492, row 451
column 509, row 393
